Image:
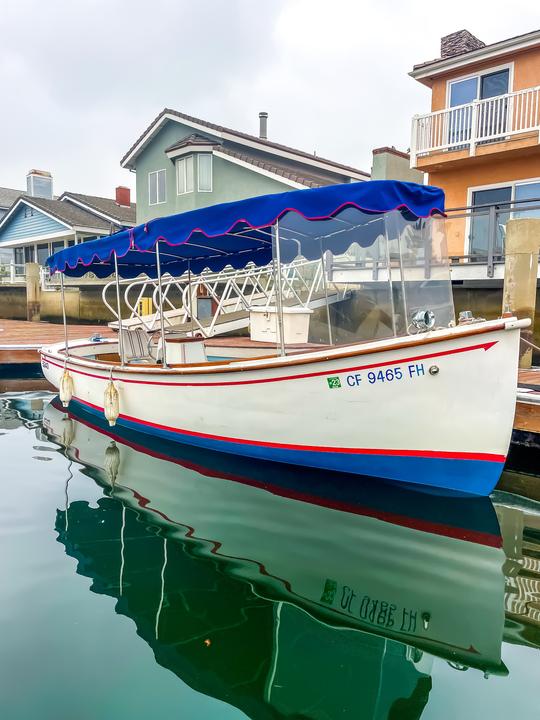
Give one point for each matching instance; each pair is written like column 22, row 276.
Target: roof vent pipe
column 263, row 125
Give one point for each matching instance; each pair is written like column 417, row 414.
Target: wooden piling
column 520, row 273
column 33, row 293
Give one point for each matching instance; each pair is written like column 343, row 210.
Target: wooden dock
column 20, row 341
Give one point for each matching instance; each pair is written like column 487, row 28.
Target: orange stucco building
column 480, row 142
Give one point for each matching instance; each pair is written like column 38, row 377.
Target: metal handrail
column 231, row 291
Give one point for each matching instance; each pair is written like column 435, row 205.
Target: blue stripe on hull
column 477, row 477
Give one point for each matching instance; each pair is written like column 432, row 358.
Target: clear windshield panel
column 338, row 269
column 420, row 273
column 363, row 276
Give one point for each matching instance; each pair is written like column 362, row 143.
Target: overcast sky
column 81, row 80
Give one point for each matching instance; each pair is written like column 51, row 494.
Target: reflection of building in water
column 269, row 658
column 26, row 410
column 520, row 526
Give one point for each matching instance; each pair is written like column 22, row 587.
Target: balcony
column 476, row 129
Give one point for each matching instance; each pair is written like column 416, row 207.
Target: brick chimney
column 123, row 196
column 458, row 43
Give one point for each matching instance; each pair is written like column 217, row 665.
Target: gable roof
column 66, row 213
column 282, row 171
column 190, row 140
column 105, row 207
column 241, row 138
column 437, row 66
column 8, row 196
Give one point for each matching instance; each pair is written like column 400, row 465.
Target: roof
column 8, row 196
column 66, row 213
column 239, row 137
column 194, row 139
column 501, row 47
column 294, row 175
column 106, row 206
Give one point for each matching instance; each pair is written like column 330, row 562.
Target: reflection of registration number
column 389, row 375
column 372, row 610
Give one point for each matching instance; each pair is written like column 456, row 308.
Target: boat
column 399, row 392
column 357, row 565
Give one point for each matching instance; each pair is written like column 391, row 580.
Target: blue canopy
column 239, row 233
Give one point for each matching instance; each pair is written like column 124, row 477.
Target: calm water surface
column 139, row 582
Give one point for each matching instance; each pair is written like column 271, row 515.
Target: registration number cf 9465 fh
column 372, row 377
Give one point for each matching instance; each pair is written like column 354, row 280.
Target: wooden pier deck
column 20, row 340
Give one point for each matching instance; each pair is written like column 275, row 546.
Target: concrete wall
column 230, row 181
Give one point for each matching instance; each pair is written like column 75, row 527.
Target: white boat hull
column 436, row 410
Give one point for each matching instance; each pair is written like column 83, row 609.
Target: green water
column 144, row 582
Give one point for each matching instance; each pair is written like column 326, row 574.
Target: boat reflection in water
column 277, row 601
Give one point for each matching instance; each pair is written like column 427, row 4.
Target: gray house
column 183, row 162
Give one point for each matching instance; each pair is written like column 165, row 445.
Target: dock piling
column 520, row 273
column 33, row 293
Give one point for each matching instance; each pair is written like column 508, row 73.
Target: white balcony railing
column 482, row 121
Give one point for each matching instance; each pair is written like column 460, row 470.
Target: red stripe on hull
column 320, row 373
column 440, row 454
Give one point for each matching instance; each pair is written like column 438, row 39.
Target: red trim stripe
column 482, row 346
column 438, row 454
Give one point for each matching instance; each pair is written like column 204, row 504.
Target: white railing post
column 414, row 143
column 474, row 123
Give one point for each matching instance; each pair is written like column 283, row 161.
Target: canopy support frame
column 279, row 290
column 64, row 317
column 119, row 312
column 161, row 316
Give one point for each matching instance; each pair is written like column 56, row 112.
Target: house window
column 479, row 87
column 42, row 253
column 157, row 187
column 184, row 175
column 19, row 261
column 501, row 196
column 56, row 246
column 204, row 172
column 490, row 121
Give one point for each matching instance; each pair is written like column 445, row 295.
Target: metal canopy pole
column 161, row 318
column 323, row 268
column 64, row 313
column 190, row 297
column 279, row 296
column 118, row 310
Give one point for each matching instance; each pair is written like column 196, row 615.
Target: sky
column 80, row 81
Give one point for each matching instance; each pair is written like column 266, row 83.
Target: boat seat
column 137, row 346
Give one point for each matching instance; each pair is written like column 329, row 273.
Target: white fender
column 111, row 403
column 65, row 389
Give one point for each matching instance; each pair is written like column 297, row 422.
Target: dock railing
column 483, row 230
column 12, row 273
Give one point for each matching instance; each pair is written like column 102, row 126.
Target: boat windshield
column 376, row 275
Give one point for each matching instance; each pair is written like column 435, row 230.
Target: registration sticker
column 333, row 382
